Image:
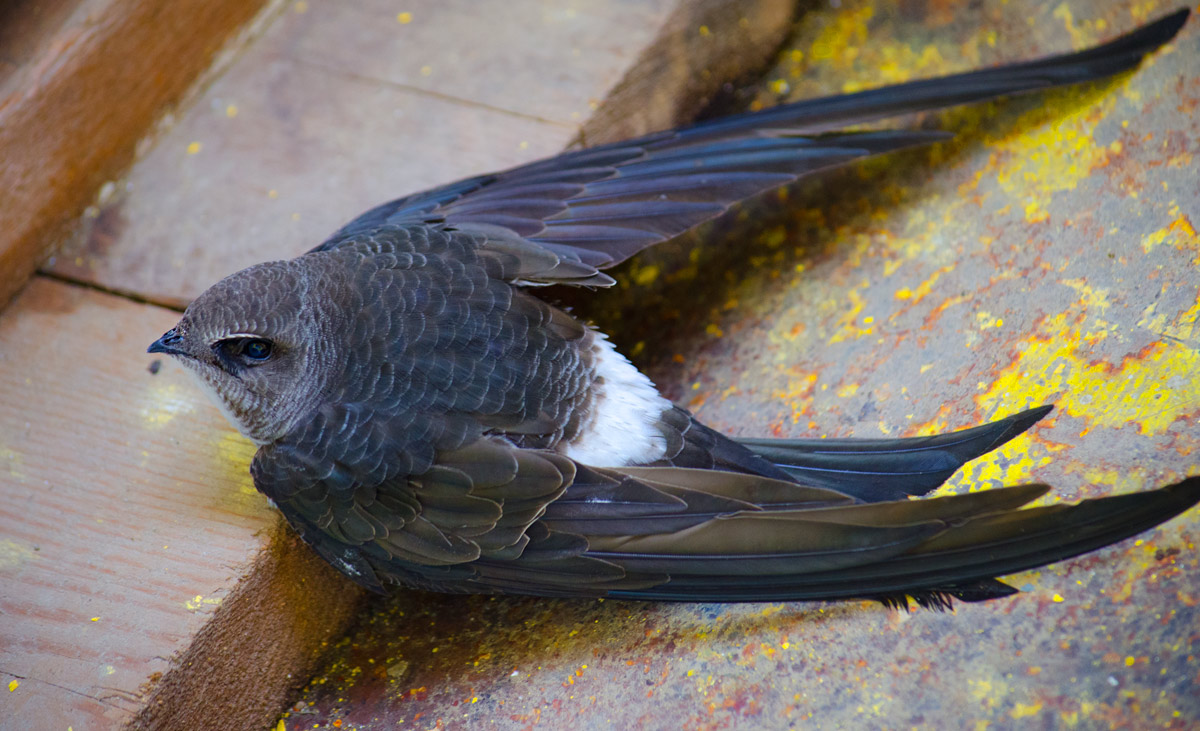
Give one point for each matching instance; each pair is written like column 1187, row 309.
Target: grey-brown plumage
column 423, row 418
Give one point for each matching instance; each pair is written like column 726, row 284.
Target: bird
column 425, row 418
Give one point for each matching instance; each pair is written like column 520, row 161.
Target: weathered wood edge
column 260, row 645
column 75, row 113
column 701, row 47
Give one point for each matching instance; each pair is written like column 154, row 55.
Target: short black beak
column 167, row 343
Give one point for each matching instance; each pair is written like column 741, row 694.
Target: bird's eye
column 238, row 353
column 256, row 348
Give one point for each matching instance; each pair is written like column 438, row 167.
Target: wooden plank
column 273, row 154
column 130, row 524
column 80, row 84
column 330, row 112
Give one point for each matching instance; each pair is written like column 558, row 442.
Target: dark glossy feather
column 553, row 203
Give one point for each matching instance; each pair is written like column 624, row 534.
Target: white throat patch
column 621, row 430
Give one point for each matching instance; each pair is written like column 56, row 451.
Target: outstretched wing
column 584, row 211
column 491, row 518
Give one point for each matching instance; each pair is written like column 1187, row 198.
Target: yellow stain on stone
column 914, row 296
column 986, row 691
column 1078, row 38
column 1011, row 464
column 848, row 328
column 798, row 393
column 1180, row 233
column 1152, row 388
column 1024, row 710
column 899, row 63
column 1054, row 154
column 987, row 320
column 1184, row 327
column 843, row 37
column 1094, row 300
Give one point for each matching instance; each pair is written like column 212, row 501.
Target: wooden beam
column 82, row 82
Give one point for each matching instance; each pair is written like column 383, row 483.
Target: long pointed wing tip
column 1166, row 27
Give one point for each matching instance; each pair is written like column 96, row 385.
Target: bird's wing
column 490, row 517
column 931, row 549
column 584, row 211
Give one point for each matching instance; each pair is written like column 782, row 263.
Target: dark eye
column 237, row 353
column 256, row 348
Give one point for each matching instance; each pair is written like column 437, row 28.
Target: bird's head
column 255, row 340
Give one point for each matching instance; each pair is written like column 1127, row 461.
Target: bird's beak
column 167, row 343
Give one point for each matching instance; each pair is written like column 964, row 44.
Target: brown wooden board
column 80, row 83
column 127, row 517
column 341, row 106
column 207, row 614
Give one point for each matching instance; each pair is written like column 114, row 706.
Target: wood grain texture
column 700, row 48
column 127, row 513
column 343, row 106
column 76, row 97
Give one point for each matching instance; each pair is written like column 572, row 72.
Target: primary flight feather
column 423, row 418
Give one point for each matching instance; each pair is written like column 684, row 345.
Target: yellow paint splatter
column 1180, row 233
column 646, row 275
column 842, row 39
column 1054, row 154
column 199, row 602
column 1024, row 710
column 13, row 685
column 848, row 327
column 13, row 554
column 986, row 320
column 404, row 18
column 231, row 111
column 193, row 148
column 1056, row 362
column 166, row 401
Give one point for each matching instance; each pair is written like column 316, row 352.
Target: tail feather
column 876, row 470
column 960, row 561
column 819, row 115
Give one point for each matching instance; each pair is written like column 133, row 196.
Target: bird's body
column 423, row 417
